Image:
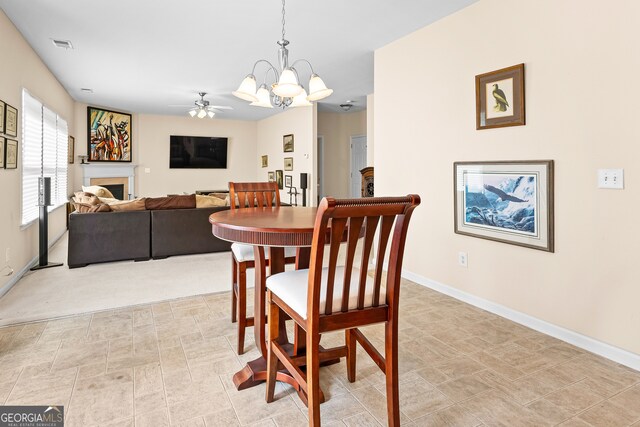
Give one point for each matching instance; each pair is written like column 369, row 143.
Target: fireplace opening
column 116, row 189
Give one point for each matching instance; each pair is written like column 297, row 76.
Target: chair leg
column 313, row 377
column 391, row 367
column 272, row 359
column 242, row 305
column 234, row 281
column 350, row 341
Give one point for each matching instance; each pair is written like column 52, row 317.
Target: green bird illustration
column 501, row 99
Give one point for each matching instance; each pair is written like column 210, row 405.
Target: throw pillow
column 98, row 191
column 128, row 205
column 209, row 201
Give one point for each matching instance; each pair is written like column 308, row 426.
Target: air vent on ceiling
column 86, row 90
column 63, row 44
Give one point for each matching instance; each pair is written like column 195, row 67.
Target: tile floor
column 171, row 364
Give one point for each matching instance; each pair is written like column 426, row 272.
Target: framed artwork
column 279, row 178
column 288, row 163
column 505, row 201
column 272, row 176
column 10, row 120
column 2, row 142
column 287, row 143
column 11, row 154
column 500, row 98
column 72, row 149
column 288, row 181
column 108, row 135
column 265, row 161
column 2, row 108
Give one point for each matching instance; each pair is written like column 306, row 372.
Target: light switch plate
column 611, row 178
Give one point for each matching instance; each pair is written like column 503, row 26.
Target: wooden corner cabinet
column 367, row 181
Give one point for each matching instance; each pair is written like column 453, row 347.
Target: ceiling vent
column 86, row 90
column 346, row 107
column 63, row 44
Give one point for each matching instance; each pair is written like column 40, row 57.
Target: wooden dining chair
column 336, row 297
column 248, row 194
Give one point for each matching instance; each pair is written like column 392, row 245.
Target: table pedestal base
column 255, row 372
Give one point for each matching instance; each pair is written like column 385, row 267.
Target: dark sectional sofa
column 140, row 235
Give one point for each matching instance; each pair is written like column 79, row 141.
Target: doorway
column 358, row 161
column 320, row 182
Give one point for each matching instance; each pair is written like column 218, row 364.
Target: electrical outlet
column 463, row 259
column 7, row 255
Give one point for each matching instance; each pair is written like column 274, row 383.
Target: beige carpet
column 60, row 291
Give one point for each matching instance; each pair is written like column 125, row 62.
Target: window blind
column 44, row 153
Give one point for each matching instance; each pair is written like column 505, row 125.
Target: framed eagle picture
column 500, row 98
column 505, row 201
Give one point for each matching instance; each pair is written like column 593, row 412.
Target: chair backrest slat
column 370, row 231
column 253, row 194
column 337, row 230
column 386, row 216
column 385, row 231
column 355, row 224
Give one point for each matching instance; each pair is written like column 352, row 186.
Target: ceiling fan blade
column 221, row 107
column 180, row 105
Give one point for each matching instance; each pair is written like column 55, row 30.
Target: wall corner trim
column 600, row 348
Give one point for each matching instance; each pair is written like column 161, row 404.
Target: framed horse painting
column 108, row 135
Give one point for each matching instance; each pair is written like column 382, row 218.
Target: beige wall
column 370, row 133
column 582, row 88
column 301, row 122
column 22, row 68
column 337, row 130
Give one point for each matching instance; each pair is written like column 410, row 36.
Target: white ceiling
column 145, row 55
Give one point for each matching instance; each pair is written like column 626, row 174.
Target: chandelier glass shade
column 286, row 91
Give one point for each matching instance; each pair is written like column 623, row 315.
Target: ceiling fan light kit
column 286, row 91
column 203, row 108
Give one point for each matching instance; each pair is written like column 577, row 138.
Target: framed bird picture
column 500, row 98
column 505, row 201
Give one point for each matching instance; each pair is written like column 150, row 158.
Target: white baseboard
column 17, row 276
column 616, row 354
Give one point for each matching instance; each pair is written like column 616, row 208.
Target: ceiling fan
column 202, row 107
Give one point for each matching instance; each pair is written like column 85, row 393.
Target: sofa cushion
column 128, row 205
column 209, row 201
column 98, row 191
column 171, row 202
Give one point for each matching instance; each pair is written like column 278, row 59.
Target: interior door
column 358, row 161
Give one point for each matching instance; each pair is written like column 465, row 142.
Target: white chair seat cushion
column 243, row 253
column 291, row 287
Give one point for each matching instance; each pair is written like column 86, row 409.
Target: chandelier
column 286, row 91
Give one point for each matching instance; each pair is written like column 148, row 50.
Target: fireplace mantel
column 110, row 170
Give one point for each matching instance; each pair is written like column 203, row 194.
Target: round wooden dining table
column 270, row 228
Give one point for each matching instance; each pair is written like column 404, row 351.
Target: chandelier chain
column 283, row 19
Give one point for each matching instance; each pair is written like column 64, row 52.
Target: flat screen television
column 198, row 152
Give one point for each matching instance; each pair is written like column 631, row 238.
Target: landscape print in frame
column 109, row 135
column 505, row 201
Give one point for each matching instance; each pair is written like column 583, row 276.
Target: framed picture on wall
column 265, row 161
column 2, row 143
column 500, row 98
column 72, row 149
column 11, row 154
column 108, row 136
column 288, row 181
column 505, row 201
column 272, row 176
column 279, row 178
column 288, row 163
column 287, row 143
column 10, row 120
column 2, row 108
